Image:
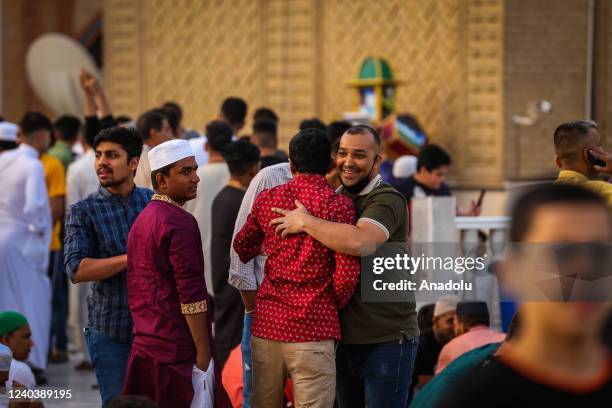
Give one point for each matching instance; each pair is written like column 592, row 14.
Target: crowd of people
column 215, row 269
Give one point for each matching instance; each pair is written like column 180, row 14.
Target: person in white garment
column 197, row 145
column 25, row 236
column 6, row 356
column 213, row 177
column 154, row 129
column 8, row 136
column 15, row 334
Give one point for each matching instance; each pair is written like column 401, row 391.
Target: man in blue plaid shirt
column 95, row 250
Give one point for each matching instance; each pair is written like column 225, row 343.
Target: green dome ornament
column 376, row 85
column 402, row 134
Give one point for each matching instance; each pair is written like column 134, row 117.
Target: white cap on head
column 445, row 304
column 6, row 355
column 8, row 131
column 169, row 152
column 404, row 166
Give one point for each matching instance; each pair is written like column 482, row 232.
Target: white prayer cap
column 445, row 304
column 5, row 358
column 8, row 132
column 404, row 166
column 169, row 152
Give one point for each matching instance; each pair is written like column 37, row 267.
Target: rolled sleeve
column 387, row 211
column 247, row 243
column 248, row 276
column 78, row 242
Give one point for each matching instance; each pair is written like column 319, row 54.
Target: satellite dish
column 54, row 62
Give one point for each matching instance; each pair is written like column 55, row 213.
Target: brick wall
column 467, row 66
column 545, row 48
column 603, row 71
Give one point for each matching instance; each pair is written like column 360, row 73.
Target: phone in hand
column 480, row 198
column 594, row 160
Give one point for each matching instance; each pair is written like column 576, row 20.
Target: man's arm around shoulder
column 361, row 239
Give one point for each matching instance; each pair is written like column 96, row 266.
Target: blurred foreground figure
column 558, row 355
column 166, row 289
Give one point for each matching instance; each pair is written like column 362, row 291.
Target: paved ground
column 65, row 377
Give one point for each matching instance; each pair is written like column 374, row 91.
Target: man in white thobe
column 25, row 236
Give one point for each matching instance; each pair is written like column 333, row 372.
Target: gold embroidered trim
column 163, row 197
column 193, row 308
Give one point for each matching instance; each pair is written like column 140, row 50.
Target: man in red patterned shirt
column 296, row 315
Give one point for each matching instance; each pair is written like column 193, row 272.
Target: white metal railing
column 496, row 229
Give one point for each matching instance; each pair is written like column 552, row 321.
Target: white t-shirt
column 143, row 172
column 81, row 178
column 213, row 177
column 21, row 373
column 197, row 145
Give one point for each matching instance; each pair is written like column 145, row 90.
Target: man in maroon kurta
column 166, row 289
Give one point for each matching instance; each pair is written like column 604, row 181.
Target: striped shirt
column 249, row 276
column 97, row 227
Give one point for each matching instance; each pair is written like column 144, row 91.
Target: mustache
column 101, row 168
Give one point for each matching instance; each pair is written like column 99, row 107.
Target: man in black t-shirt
column 558, row 359
column 242, row 159
column 433, row 164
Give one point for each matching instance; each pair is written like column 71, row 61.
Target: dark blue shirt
column 410, row 187
column 97, row 227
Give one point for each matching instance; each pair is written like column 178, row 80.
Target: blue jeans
column 376, row 375
column 109, row 358
column 247, row 361
column 59, row 320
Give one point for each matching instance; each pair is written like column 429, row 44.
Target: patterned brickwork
column 467, row 66
column 482, row 143
column 422, row 40
column 198, row 52
column 123, row 53
column 545, row 50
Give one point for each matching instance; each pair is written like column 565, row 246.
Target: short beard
column 359, row 185
column 113, row 183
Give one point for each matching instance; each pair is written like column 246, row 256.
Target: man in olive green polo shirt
column 574, row 142
column 375, row 359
